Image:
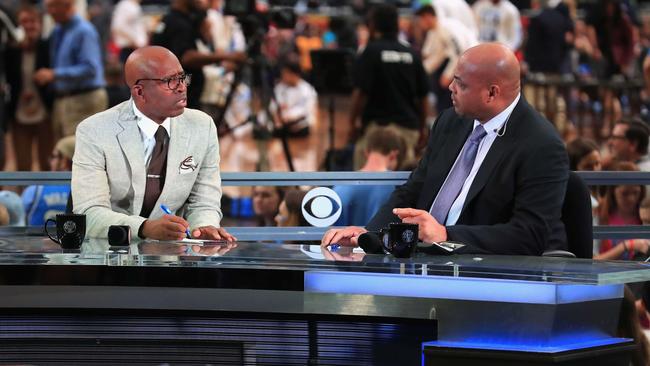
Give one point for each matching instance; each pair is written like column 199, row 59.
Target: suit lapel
column 131, row 144
column 496, row 153
column 178, row 151
column 444, row 160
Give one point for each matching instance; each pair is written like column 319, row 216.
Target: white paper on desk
column 193, row 241
column 203, row 241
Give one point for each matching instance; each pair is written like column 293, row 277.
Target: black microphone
column 370, row 242
column 119, row 235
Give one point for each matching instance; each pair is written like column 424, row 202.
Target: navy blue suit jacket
column 515, row 201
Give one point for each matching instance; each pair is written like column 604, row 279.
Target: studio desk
column 292, row 304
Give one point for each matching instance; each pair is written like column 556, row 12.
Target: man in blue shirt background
column 76, row 73
column 385, row 150
column 44, row 202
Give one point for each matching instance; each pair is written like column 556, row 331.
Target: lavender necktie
column 454, row 183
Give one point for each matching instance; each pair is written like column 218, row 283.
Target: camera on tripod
column 255, row 23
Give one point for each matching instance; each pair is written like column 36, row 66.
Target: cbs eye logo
column 321, row 207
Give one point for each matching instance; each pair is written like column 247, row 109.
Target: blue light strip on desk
column 527, row 348
column 458, row 288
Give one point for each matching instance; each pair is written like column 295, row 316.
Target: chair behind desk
column 577, row 217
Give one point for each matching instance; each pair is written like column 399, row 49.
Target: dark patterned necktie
column 155, row 172
column 454, row 183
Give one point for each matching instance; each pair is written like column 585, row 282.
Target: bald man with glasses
column 148, row 152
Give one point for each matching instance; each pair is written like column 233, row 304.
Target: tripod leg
column 263, row 149
column 287, row 152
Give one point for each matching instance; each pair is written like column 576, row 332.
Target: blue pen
column 169, row 212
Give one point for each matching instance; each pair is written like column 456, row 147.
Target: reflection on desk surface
column 31, row 250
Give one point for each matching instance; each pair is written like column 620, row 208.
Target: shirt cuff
column 140, row 233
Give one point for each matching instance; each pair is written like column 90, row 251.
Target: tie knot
column 161, row 134
column 477, row 134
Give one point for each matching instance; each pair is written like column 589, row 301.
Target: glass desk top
column 30, row 250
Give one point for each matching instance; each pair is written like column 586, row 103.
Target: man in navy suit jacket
column 511, row 201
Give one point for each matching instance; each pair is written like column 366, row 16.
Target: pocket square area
column 188, row 165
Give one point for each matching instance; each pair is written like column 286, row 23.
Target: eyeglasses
column 173, row 82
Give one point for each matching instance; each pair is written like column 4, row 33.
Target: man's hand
column 347, row 236
column 168, row 227
column 43, row 76
column 212, row 233
column 429, row 229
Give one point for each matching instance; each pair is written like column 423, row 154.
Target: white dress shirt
column 491, row 127
column 148, row 130
column 127, row 25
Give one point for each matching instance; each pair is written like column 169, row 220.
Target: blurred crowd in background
column 290, row 87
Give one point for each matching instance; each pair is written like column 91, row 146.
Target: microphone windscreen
column 371, row 243
column 119, row 235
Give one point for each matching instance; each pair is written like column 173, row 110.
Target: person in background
column 629, row 142
column 9, row 33
column 43, row 202
column 445, row 40
column 297, row 101
column 620, row 206
column 266, row 203
column 614, row 35
column 498, row 21
column 546, row 52
column 458, row 10
column 222, row 33
column 309, row 39
column 14, row 205
column 29, row 105
column 632, row 248
column 384, row 152
column 179, row 30
column 76, row 72
column 390, row 86
column 290, row 210
column 584, row 155
column 127, row 27
column 225, row 32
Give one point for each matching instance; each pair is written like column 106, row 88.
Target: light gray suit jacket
column 109, row 174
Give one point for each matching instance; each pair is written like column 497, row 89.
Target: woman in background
column 620, row 206
column 266, row 202
column 290, row 210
